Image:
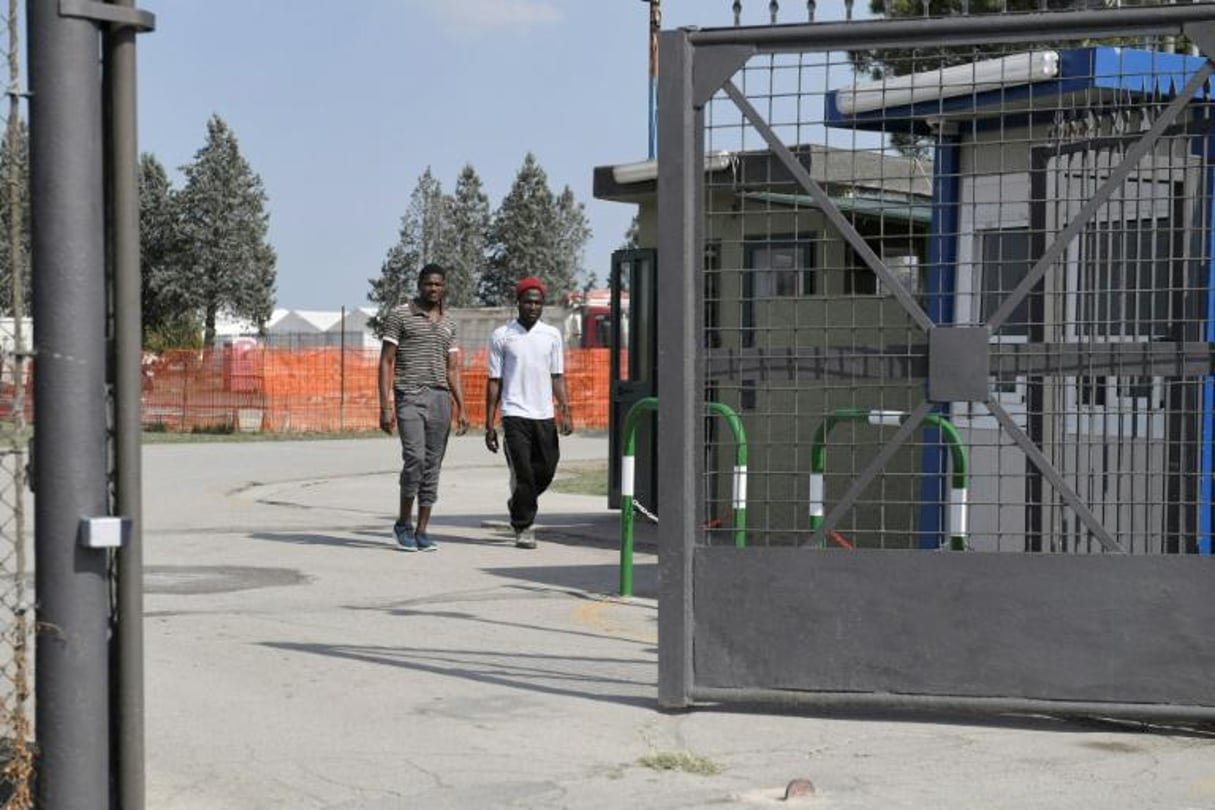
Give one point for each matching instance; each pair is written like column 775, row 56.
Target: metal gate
column 964, row 312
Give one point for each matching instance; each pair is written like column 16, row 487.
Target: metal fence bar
column 983, row 29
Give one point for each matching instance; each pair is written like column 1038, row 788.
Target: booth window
column 1125, row 280
column 780, row 268
column 1006, row 261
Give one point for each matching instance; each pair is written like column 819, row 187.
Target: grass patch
column 680, row 761
column 582, row 478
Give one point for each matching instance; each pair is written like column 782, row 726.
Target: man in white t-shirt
column 526, row 370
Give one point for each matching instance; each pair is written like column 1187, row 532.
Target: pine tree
column 467, row 237
column 17, row 133
column 573, row 232
column 223, row 233
column 420, row 240
column 523, row 237
column 166, row 291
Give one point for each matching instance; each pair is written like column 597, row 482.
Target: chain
column 646, row 513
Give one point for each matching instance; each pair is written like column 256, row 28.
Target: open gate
column 1000, row 255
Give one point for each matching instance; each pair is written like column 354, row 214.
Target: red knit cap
column 530, row 283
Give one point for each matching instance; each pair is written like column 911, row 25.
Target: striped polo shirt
column 422, row 347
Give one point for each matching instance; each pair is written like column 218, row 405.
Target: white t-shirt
column 525, row 360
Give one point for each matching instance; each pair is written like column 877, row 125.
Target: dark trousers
column 532, row 454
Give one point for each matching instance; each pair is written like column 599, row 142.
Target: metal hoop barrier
column 957, row 453
column 627, row 469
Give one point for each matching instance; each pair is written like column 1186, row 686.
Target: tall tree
column 169, row 318
column 523, row 237
column 467, row 237
column 420, row 240
column 573, row 232
column 14, row 169
column 224, row 225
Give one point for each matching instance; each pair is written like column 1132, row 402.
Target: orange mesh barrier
column 253, row 388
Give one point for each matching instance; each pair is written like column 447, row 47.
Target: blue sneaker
column 405, row 537
column 424, row 542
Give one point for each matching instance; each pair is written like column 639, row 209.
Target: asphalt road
column 297, row 659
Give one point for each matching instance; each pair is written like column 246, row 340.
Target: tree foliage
column 419, row 241
column 467, row 237
column 166, row 292
column 573, row 232
column 532, row 232
column 524, row 238
column 14, row 181
column 224, row 225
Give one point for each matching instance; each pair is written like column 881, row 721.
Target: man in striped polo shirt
column 419, row 364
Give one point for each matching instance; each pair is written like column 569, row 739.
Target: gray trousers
column 423, row 423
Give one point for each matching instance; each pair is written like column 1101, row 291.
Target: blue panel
column 942, row 283
column 1207, row 464
column 1143, row 72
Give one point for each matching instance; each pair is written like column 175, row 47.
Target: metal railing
column 627, row 470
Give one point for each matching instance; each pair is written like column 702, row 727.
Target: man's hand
column 387, row 418
column 567, row 421
column 491, row 440
column 461, row 425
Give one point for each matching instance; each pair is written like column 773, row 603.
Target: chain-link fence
column 16, row 557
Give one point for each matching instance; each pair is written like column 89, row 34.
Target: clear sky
column 340, row 105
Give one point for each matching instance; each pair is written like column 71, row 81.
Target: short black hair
column 432, row 269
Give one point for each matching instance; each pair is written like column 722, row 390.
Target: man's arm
column 455, row 385
column 388, row 362
column 563, row 404
column 493, row 391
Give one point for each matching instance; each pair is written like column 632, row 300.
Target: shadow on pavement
column 560, row 675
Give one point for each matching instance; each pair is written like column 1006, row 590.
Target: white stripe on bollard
column 886, row 417
column 816, row 495
column 957, row 512
column 740, row 486
column 626, row 476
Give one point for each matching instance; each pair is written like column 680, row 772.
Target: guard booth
column 1126, row 434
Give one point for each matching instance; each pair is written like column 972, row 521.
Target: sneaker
column 525, row 538
column 404, row 534
column 424, row 542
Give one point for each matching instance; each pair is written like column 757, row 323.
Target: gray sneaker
column 525, row 538
column 404, row 535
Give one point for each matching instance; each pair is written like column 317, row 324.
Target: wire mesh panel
column 919, row 203
column 957, row 285
column 16, row 418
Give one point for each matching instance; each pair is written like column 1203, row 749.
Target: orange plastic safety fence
column 252, row 388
